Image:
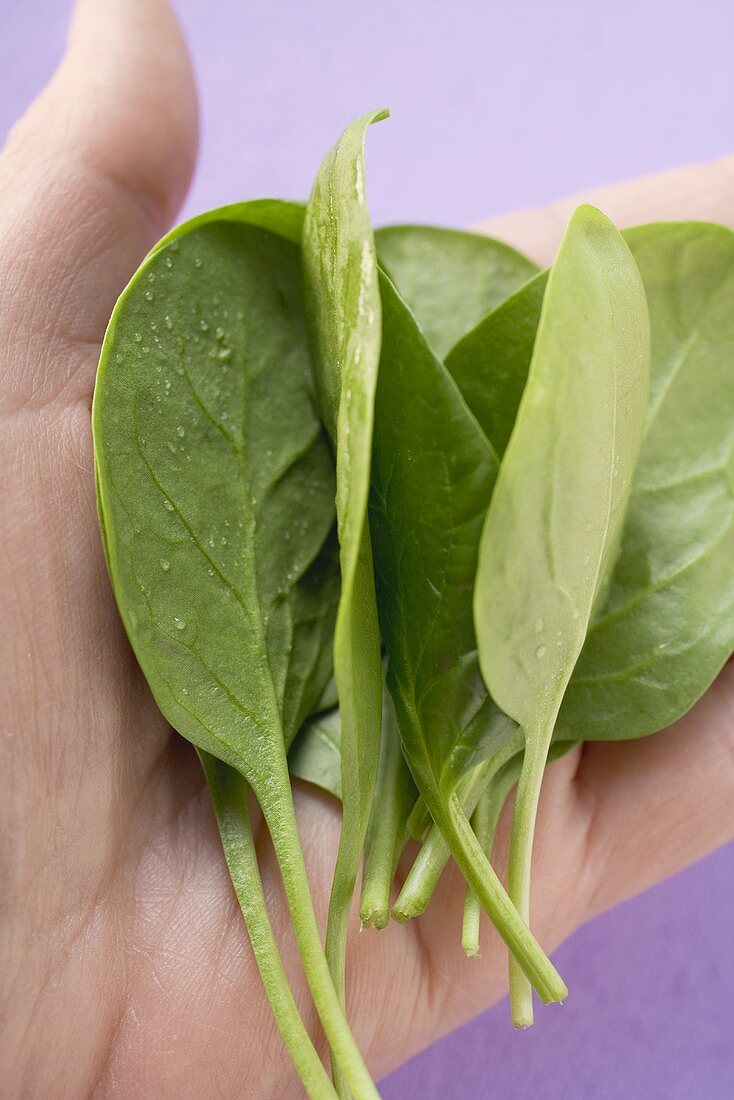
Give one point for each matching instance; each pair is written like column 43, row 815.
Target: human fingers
column 90, row 178
column 700, row 192
column 658, row 804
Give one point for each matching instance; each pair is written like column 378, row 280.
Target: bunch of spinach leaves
column 330, row 459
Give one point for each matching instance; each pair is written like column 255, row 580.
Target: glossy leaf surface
column 218, row 516
column 216, row 489
column 667, row 625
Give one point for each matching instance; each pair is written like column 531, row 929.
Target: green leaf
column 342, row 294
column 316, row 752
column 216, row 486
column 490, row 363
column 555, row 519
column 449, row 279
column 216, row 490
column 667, row 625
column 433, row 472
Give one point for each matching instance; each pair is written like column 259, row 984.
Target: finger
column 658, row 804
column 89, row 179
column 704, row 191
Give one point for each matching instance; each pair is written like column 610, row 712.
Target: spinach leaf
column 216, row 490
column 449, row 279
column 343, row 301
column 667, row 625
column 490, row 363
column 194, row 377
column 316, row 752
column 329, row 698
column 549, row 541
column 433, row 472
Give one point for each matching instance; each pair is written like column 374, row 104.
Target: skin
column 124, row 967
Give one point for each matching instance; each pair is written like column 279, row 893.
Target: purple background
column 495, row 106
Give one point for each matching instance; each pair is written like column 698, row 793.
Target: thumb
column 90, row 177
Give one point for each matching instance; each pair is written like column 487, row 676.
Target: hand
column 125, row 968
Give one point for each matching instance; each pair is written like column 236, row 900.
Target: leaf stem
column 337, row 927
column 419, row 820
column 229, row 794
column 277, row 806
column 520, row 858
column 434, row 853
column 387, row 831
column 358, row 676
column 484, row 822
column 479, row 873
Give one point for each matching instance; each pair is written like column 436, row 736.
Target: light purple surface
column 495, row 106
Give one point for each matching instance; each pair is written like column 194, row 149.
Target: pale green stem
column 387, row 831
column 358, row 675
column 229, row 794
column 478, row 872
column 434, row 853
column 520, row 859
column 419, row 820
column 472, row 907
column 337, row 927
column 277, row 806
column 484, row 823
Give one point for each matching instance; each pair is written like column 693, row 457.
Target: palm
column 124, row 944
